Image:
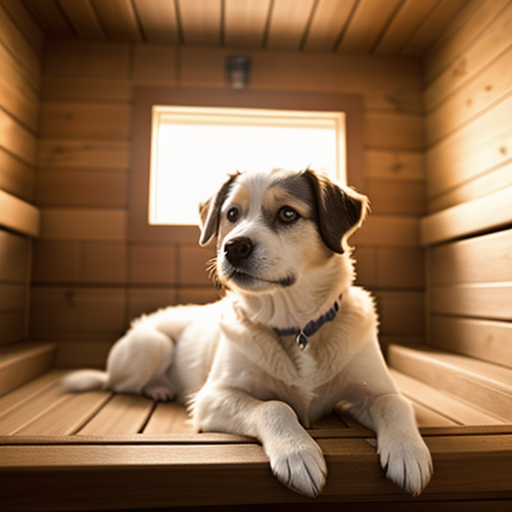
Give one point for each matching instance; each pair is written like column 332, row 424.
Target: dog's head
column 271, row 227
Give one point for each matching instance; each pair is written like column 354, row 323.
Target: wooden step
column 22, row 362
column 483, row 385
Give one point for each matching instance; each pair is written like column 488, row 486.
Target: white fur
column 237, row 376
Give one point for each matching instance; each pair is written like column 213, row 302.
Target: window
column 194, row 148
column 285, row 103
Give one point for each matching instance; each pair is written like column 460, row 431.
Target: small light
column 238, row 71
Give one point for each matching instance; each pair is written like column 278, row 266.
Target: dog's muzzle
column 238, row 250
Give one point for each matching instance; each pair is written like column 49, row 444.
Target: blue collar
column 310, row 329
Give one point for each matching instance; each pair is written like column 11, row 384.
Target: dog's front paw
column 300, row 465
column 407, row 462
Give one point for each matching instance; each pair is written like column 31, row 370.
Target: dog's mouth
column 247, row 280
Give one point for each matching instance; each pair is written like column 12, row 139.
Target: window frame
column 139, row 229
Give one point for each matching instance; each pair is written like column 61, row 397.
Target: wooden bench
column 100, row 450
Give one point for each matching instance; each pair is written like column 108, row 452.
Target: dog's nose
column 238, row 249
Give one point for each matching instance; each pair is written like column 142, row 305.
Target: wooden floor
column 101, row 450
column 43, row 408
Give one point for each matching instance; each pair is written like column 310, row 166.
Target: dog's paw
column 407, row 463
column 159, row 393
column 300, row 465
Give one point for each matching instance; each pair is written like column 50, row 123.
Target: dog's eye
column 233, row 214
column 287, row 215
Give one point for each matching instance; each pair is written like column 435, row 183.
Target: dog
column 292, row 337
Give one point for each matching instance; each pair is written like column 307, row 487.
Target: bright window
column 194, row 149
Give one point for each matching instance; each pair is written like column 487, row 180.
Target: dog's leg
column 295, row 458
column 377, row 404
column 139, row 361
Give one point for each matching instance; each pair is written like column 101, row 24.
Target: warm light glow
column 194, row 149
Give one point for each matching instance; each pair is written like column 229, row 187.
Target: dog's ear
column 209, row 212
column 338, row 211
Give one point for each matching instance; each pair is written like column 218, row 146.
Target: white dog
column 290, row 340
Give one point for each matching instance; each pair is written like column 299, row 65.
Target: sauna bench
column 100, row 450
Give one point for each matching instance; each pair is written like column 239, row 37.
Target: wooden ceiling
column 386, row 27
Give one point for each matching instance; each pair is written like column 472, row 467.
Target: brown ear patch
column 209, row 211
column 337, row 211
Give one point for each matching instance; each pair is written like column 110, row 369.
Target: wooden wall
column 469, row 182
column 90, row 280
column 20, row 73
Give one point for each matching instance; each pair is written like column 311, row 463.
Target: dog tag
column 301, row 340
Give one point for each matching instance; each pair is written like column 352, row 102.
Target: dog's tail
column 85, row 380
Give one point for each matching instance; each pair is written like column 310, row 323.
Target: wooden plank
column 388, row 267
column 104, row 262
column 89, row 188
column 78, row 312
column 12, row 296
column 26, row 24
column 67, row 416
column 18, row 215
column 409, row 16
column 238, row 475
column 485, row 259
column 327, row 23
column 308, row 71
column 394, row 165
column 487, row 386
column 86, row 89
column 169, row 418
column 366, row 25
column 83, row 18
column 200, row 21
column 288, row 22
column 14, row 258
column 433, row 25
column 50, row 18
column 87, row 60
column 467, row 26
column 392, row 197
column 119, row 19
column 489, row 301
column 401, row 313
column 83, row 224
column 490, row 182
column 426, row 417
column 490, row 212
column 386, row 230
column 156, row 65
column 16, row 177
column 452, row 410
column 490, row 43
column 146, row 300
column 30, row 409
column 27, row 391
column 482, row 339
column 16, row 43
column 159, row 21
column 83, row 353
column 393, row 131
column 13, row 326
column 22, row 362
column 17, row 96
column 90, row 154
column 57, row 261
column 153, row 264
column 194, row 272
column 123, row 414
column 245, row 22
column 17, row 139
column 488, row 86
column 85, row 120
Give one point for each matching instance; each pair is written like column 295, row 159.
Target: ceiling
column 383, row 27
